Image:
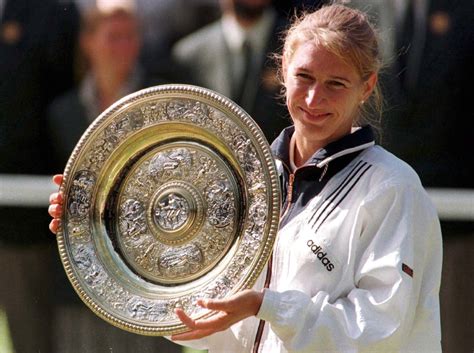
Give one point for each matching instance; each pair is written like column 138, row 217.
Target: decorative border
column 75, row 239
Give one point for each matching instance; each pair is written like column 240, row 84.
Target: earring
column 362, row 102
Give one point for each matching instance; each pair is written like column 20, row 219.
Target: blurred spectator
column 166, row 21
column 110, row 46
column 230, row 56
column 430, row 47
column 162, row 23
column 430, row 51
column 36, row 64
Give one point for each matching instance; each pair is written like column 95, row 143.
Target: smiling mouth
column 315, row 116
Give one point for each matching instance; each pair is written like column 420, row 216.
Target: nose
column 315, row 95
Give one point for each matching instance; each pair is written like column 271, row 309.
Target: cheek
column 294, row 93
column 343, row 103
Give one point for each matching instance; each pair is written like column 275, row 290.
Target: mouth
column 315, row 116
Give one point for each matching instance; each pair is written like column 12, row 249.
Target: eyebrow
column 306, row 70
column 340, row 78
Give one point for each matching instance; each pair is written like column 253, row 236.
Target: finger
column 56, row 198
column 185, row 319
column 54, row 225
column 55, row 210
column 192, row 335
column 58, row 179
column 219, row 321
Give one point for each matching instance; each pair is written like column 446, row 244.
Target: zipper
column 290, row 190
column 323, row 173
column 268, row 277
column 261, row 324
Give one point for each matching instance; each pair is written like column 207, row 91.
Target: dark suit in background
column 206, row 60
column 69, row 115
column 431, row 127
column 36, row 56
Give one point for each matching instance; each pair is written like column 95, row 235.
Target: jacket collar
column 358, row 140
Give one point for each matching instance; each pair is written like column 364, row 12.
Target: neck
column 304, row 149
column 108, row 87
column 245, row 22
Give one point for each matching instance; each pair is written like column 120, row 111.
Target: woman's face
column 114, row 45
column 323, row 93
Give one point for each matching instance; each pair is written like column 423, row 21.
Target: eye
column 303, row 76
column 336, row 84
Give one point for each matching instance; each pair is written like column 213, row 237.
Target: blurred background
column 62, row 62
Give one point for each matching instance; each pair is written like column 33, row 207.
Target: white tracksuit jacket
column 357, row 263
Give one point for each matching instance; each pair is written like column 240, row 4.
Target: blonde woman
column 357, row 263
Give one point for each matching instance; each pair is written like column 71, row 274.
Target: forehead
column 316, row 58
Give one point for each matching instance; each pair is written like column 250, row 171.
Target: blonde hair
column 347, row 33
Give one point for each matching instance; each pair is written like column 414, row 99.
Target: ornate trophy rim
column 87, row 240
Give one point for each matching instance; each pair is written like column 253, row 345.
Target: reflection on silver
column 179, row 262
column 172, row 196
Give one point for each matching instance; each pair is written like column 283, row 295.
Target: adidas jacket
column 357, row 263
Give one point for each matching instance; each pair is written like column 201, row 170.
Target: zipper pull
column 290, row 188
column 326, row 166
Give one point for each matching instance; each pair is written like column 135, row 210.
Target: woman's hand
column 56, row 205
column 229, row 311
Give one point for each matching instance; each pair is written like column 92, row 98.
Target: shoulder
column 65, row 102
column 387, row 169
column 388, row 180
column 197, row 41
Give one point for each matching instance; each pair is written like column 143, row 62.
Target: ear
column 369, row 86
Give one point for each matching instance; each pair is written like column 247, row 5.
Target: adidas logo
column 322, row 256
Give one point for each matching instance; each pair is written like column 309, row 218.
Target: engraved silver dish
column 171, row 195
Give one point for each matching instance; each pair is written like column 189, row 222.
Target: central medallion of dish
column 171, row 211
column 178, row 212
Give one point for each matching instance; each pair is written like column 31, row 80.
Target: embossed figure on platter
column 179, row 262
column 172, row 211
column 133, row 220
column 79, row 203
column 221, row 204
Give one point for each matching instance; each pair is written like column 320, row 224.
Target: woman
column 110, row 46
column 357, row 263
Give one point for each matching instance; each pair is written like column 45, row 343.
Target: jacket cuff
column 268, row 308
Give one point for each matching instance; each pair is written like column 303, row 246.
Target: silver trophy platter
column 171, row 195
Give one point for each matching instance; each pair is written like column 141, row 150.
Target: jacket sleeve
column 396, row 274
